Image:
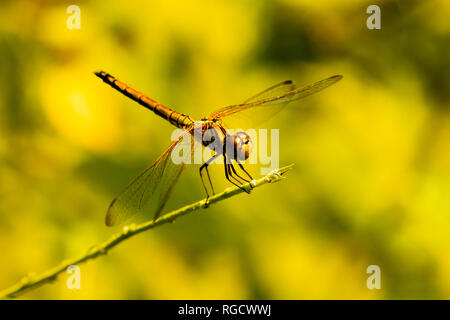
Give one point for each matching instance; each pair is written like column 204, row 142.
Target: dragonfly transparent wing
column 273, row 100
column 149, row 191
column 279, row 89
column 251, row 118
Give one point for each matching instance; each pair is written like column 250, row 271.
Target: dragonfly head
column 241, row 145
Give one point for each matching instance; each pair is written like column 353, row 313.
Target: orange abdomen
column 174, row 117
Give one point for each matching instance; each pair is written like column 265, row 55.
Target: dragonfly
column 150, row 190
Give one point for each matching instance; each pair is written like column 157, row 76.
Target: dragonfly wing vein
column 149, row 191
column 279, row 94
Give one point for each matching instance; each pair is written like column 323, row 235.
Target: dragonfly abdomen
column 176, row 118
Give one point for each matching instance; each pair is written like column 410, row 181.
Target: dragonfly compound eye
column 241, row 146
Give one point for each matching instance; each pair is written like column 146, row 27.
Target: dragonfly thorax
column 236, row 146
column 213, row 137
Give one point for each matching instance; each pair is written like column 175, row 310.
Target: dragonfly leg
column 226, row 167
column 231, row 173
column 228, row 174
column 205, row 166
column 248, row 174
column 243, row 169
column 234, row 171
column 209, row 179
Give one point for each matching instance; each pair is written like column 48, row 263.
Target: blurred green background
column 371, row 183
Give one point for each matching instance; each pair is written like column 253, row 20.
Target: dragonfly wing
column 149, row 191
column 275, row 97
column 274, row 91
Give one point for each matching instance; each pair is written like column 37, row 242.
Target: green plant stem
column 33, row 281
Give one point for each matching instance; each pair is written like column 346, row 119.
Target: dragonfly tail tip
column 98, row 73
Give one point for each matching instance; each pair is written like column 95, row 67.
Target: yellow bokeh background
column 371, row 184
